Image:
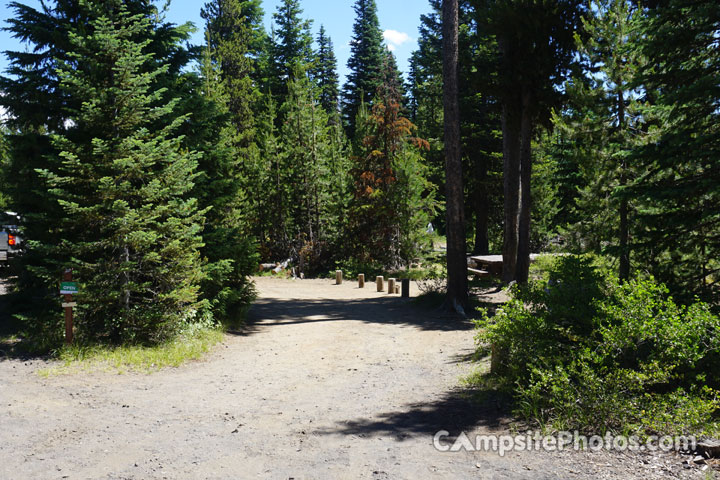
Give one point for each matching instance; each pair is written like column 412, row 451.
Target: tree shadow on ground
column 391, row 311
column 460, row 410
column 12, row 344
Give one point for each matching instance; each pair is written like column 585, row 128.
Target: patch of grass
column 430, row 300
column 141, row 359
column 478, row 377
column 412, row 273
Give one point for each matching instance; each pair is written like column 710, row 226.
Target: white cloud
column 394, row 38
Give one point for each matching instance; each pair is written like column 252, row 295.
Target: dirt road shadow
column 391, row 311
column 460, row 410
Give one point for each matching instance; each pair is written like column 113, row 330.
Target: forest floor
column 326, row 382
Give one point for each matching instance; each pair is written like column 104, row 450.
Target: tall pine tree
column 536, row 43
column 221, row 187
column 231, row 165
column 312, row 172
column 393, row 200
column 128, row 227
column 235, row 36
column 325, row 74
column 603, row 124
column 291, row 51
column 480, row 136
column 678, row 194
column 46, row 109
column 365, row 62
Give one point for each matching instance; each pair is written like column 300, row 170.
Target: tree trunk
column 522, row 267
column 455, row 222
column 482, row 208
column 624, row 270
column 511, row 185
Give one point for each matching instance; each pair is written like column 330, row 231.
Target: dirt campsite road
column 327, row 382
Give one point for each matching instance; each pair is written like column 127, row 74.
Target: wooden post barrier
column 495, row 360
column 397, row 289
column 406, row 288
column 361, row 280
column 338, row 277
column 380, row 283
column 391, row 286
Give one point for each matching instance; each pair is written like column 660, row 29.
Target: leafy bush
column 434, row 281
column 580, row 351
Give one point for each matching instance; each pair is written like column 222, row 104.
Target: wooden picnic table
column 493, row 263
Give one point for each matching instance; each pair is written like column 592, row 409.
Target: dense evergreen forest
column 164, row 173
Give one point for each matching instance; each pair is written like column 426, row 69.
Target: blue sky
column 399, row 19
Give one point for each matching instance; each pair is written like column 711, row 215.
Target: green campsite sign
column 68, row 288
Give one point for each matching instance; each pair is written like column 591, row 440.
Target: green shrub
column 352, row 267
column 580, row 351
column 434, row 280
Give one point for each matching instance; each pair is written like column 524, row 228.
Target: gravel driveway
column 327, row 382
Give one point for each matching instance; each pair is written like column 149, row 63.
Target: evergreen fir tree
column 391, row 77
column 269, row 73
column 425, row 76
column 425, row 82
column 325, row 74
column 273, row 204
column 365, row 62
column 40, row 107
column 536, row 42
column 292, row 50
column 338, row 184
column 220, row 187
column 129, row 227
column 232, row 165
column 393, row 200
column 235, row 36
column 311, row 159
column 678, row 194
column 604, row 125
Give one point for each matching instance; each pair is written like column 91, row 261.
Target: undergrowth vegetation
column 578, row 350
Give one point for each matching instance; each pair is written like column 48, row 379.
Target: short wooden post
column 391, row 286
column 338, row 277
column 497, row 359
column 397, row 289
column 494, row 359
column 406, row 288
column 361, row 280
column 380, row 283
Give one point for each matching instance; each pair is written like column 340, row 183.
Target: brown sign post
column 68, row 305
